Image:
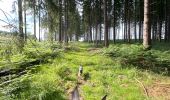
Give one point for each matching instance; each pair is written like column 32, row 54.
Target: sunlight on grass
column 105, row 68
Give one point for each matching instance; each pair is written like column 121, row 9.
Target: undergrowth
column 112, row 71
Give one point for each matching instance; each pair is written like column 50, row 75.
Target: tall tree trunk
column 34, row 19
column 25, row 19
column 159, row 29
column 129, row 24
column 39, row 7
column 100, row 29
column 125, row 21
column 100, row 26
column 135, row 35
column 96, row 34
column 20, row 17
column 105, row 24
column 147, row 26
column 166, row 21
column 140, row 20
column 60, row 21
column 66, row 22
column 114, row 22
column 90, row 29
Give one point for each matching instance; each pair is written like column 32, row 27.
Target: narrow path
column 105, row 76
column 87, row 58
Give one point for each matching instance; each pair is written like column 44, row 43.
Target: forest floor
column 122, row 72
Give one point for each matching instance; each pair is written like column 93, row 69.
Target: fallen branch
column 144, row 88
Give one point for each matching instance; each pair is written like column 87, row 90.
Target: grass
column 108, row 71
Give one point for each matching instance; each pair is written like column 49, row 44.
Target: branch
column 144, row 88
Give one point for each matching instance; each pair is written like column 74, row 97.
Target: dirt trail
column 159, row 91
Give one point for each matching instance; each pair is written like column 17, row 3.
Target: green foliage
column 114, row 75
column 153, row 60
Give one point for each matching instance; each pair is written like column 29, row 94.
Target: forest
column 85, row 50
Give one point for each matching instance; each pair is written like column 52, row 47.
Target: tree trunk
column 129, row 25
column 135, row 36
column 20, row 17
column 159, row 30
column 100, row 29
column 125, row 20
column 140, row 21
column 60, row 21
column 166, row 21
column 40, row 20
column 105, row 24
column 25, row 19
column 114, row 22
column 34, row 19
column 90, row 29
column 96, row 35
column 66, row 22
column 147, row 26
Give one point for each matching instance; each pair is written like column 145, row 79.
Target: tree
column 25, row 21
column 21, row 33
column 147, row 26
column 106, row 41
column 34, row 7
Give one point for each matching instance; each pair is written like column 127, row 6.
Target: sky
column 6, row 6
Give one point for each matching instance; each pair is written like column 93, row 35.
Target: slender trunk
column 25, row 19
column 147, row 28
column 140, row 21
column 129, row 25
column 96, row 34
column 135, row 36
column 126, row 23
column 34, row 19
column 20, row 17
column 159, row 30
column 105, row 24
column 114, row 22
column 100, row 37
column 60, row 21
column 39, row 21
column 66, row 21
column 166, row 19
column 90, row 29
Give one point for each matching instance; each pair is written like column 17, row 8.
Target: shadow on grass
column 22, row 90
column 161, row 46
column 148, row 62
column 156, row 60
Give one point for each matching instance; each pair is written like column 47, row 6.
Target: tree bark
column 147, row 26
column 21, row 33
column 105, row 24
column 34, row 19
column 166, row 21
column 60, row 21
column 96, row 34
column 135, row 36
column 114, row 22
column 25, row 19
column 39, row 7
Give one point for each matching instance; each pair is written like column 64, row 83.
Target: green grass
column 110, row 71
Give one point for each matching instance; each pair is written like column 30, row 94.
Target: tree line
column 139, row 20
